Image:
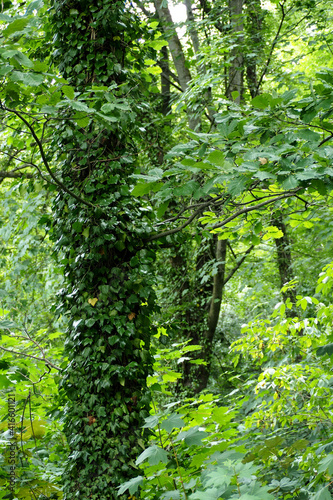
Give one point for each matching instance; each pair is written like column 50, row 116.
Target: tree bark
column 213, row 316
column 165, row 82
column 284, row 263
column 254, row 18
column 236, row 71
column 184, row 75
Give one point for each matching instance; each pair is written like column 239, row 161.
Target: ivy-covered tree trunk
column 106, row 297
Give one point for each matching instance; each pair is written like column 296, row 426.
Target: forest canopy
column 166, row 254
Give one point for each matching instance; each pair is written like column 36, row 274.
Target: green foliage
column 193, row 450
column 268, row 435
column 31, row 347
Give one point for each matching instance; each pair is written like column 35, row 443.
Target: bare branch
column 255, row 207
column 176, row 229
column 228, row 219
column 239, row 263
column 275, row 41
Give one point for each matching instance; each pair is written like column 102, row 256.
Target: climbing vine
column 107, row 297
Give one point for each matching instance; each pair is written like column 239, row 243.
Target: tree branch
column 256, row 207
column 176, row 229
column 223, row 223
column 12, row 174
column 239, row 263
column 43, row 360
column 42, row 153
column 275, row 41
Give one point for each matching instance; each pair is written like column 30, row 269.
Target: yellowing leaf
column 92, row 302
column 263, row 161
column 85, row 233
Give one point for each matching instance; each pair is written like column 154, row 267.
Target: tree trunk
column 193, row 32
column 197, row 375
column 165, row 82
column 184, row 75
column 236, row 71
column 284, row 263
column 106, row 299
column 255, row 47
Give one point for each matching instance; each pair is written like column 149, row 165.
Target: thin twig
column 176, row 229
column 239, row 263
column 275, row 41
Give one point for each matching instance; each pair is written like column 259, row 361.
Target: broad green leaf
column 154, row 454
column 30, row 79
column 36, row 5
column 157, row 44
column 5, row 69
column 322, row 494
column 262, row 175
column 325, row 349
column 108, row 118
column 151, row 422
column 132, row 485
column 79, row 106
column 17, row 25
column 171, row 495
column 77, row 226
column 142, row 189
column 290, row 182
column 172, row 422
column 217, row 478
column 154, row 70
column 7, row 324
column 309, row 135
column 262, row 101
column 68, row 91
column 208, row 494
column 222, row 415
column 49, row 110
column 23, row 60
column 4, row 382
column 171, row 376
column 237, row 185
column 217, row 158
column 272, row 232
column 192, row 437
